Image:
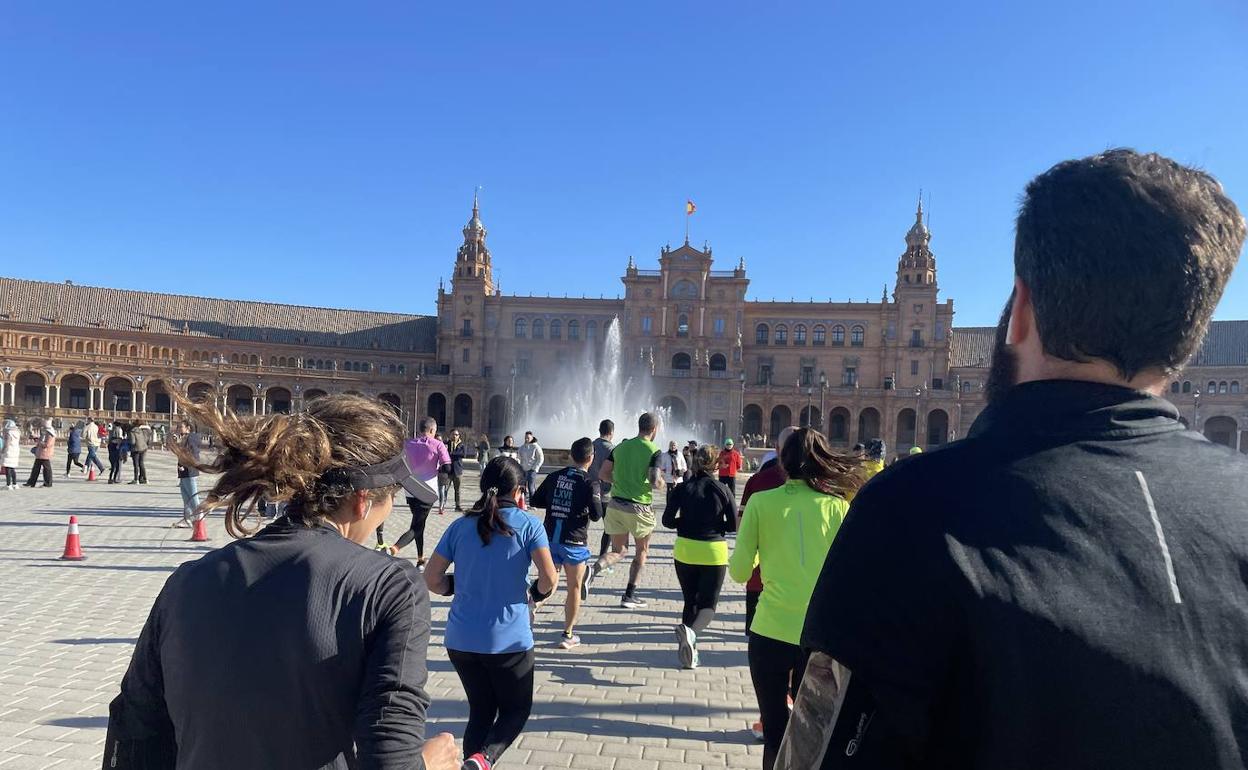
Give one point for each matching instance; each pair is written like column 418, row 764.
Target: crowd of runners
column 1065, row 587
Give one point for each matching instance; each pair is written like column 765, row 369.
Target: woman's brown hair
column 704, row 459
column 287, row 457
column 807, row 456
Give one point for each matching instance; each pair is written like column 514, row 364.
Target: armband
column 450, row 585
column 536, row 594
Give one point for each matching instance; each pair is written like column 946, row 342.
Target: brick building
column 896, row 368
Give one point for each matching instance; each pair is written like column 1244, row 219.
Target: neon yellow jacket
column 787, row 531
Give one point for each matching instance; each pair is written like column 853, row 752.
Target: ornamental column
column 47, row 396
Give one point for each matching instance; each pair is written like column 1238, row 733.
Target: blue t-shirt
column 490, row 609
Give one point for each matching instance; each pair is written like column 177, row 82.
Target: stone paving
column 620, row 701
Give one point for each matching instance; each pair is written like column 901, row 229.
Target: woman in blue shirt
column 489, row 635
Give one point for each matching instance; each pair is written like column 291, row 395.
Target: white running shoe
column 568, row 642
column 685, row 640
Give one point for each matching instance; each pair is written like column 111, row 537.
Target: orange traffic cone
column 200, row 533
column 91, row 473
column 73, row 547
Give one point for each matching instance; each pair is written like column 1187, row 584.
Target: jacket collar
column 1071, row 409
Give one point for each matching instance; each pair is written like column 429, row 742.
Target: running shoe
column 568, row 641
column 585, row 589
column 633, row 603
column 475, row 762
column 757, row 730
column 420, row 564
column 685, row 641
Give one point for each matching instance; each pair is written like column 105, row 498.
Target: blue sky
column 326, row 154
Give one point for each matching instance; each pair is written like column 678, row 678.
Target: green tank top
column 630, row 470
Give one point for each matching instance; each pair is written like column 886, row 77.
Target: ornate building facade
column 895, row 369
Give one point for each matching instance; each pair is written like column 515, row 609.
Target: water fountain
column 570, row 402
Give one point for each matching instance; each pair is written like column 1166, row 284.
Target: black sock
column 628, row 591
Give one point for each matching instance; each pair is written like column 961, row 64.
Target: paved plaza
column 619, row 702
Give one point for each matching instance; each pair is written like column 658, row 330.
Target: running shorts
column 563, row 554
column 625, row 517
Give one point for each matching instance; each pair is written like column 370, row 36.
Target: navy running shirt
column 571, row 501
column 1066, row 588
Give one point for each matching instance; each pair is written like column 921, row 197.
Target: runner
column 73, row 450
column 426, row 456
column 571, row 502
column 489, row 638
column 348, row 628
column 769, row 476
column 632, row 469
column 730, row 463
column 874, row 454
column 602, row 451
column 92, row 434
column 702, row 513
column 789, row 530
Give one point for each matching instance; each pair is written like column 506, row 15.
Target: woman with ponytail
column 788, row 532
column 347, row 626
column 489, row 634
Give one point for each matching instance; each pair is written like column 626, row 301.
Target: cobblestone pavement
column 619, row 702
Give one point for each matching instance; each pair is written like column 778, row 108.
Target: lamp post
column 741, row 421
column 415, row 400
column 810, row 402
column 823, row 392
column 918, row 393
column 1196, row 410
column 511, row 400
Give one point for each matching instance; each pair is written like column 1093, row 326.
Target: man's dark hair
column 1126, row 256
column 582, row 450
column 606, row 428
column 426, row 425
column 646, row 423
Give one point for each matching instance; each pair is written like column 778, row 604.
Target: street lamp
column 741, row 421
column 415, row 400
column 1196, row 410
column 810, row 402
column 511, row 400
column 823, row 392
column 918, row 393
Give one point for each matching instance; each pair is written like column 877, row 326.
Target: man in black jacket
column 1066, row 587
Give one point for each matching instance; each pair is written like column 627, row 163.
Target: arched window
column 194, row 356
column 522, row 328
column 402, row 369
column 1187, row 387
column 761, row 333
column 682, row 325
column 233, row 358
column 799, row 334
column 255, row 360
column 1211, row 388
column 556, row 329
column 539, row 328
column 856, row 335
column 685, row 289
column 1174, row 387
column 591, row 330
column 838, row 335
column 782, row 334
column 1234, row 386
column 681, row 362
column 1222, row 387
column 820, row 336
column 272, row 360
column 719, row 362
column 574, row 330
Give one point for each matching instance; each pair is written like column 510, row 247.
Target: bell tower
column 473, row 269
column 917, row 266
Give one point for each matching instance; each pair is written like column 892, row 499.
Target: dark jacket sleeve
column 728, row 510
column 390, row 712
column 672, row 510
column 140, row 732
column 543, row 493
column 594, row 506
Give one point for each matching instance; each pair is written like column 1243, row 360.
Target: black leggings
column 776, row 668
column 140, row 468
column 700, row 583
column 10, row 476
column 420, row 514
column 730, row 482
column 114, row 462
column 500, row 697
column 71, row 459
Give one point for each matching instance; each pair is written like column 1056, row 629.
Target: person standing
column 672, row 465
column 426, row 456
column 787, row 532
column 140, row 440
column 43, row 450
column 531, row 458
column 602, row 451
column 508, row 449
column 729, row 466
column 92, row 434
column 571, row 501
column 73, row 449
column 702, row 513
column 483, row 450
column 116, row 437
column 346, row 684
column 11, row 454
column 489, row 637
column 458, row 450
column 632, row 469
column 188, row 473
column 1081, row 555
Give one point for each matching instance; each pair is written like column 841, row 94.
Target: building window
column 1221, row 387
column 938, row 383
column 782, row 334
column 466, row 355
column 539, row 328
column 761, row 333
column 799, row 334
column 682, row 325
column 914, row 368
column 574, row 330
column 402, row 369
column 1187, row 387
column 764, row 374
column 1174, row 387
column 1211, row 388
column 719, row 327
column 556, row 329
column 918, row 308
column 1234, row 386
column 856, row 336
column 521, row 328
column 647, row 325
column 719, row 363
column 820, row 335
column 681, row 364
column 808, row 376
column 467, row 330
column 916, row 338
column 685, row 289
column 838, row 335
column 591, row 330
column 850, row 377
column 522, row 365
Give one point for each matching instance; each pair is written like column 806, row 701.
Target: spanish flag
column 689, row 207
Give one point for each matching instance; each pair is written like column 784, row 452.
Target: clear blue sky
column 326, row 155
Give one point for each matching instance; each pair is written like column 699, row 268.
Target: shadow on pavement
column 82, row 723
column 98, row 640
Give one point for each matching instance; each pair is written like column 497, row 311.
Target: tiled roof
column 90, row 307
column 1225, row 344
column 972, row 346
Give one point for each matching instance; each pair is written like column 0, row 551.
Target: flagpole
column 687, row 217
